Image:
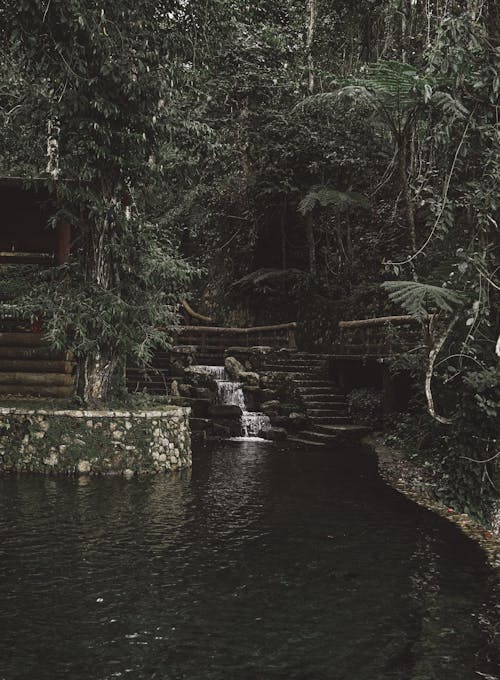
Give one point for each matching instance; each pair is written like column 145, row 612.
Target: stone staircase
column 324, row 404
column 28, row 368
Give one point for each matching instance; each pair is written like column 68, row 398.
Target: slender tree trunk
column 311, row 12
column 311, row 245
column 283, row 234
column 311, row 22
column 405, row 188
column 433, row 353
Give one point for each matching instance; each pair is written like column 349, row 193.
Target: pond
column 257, row 564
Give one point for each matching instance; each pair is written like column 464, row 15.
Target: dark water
column 257, row 564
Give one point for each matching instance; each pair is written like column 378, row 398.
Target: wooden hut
column 28, row 368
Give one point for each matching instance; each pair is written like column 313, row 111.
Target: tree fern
column 420, row 299
column 322, row 196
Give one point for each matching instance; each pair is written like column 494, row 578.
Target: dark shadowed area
column 257, row 564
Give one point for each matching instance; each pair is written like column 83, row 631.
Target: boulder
column 221, row 431
column 203, row 393
column 297, row 421
column 174, row 389
column 233, row 427
column 200, row 378
column 249, row 393
column 279, row 421
column 224, row 411
column 267, row 394
column 236, row 371
column 270, row 408
column 275, row 434
column 184, row 390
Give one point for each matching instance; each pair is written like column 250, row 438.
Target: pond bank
column 408, row 479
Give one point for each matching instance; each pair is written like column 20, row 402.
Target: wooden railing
column 214, row 337
column 378, row 337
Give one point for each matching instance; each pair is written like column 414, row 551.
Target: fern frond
column 323, row 196
column 420, row 299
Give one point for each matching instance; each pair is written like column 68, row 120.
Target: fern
column 420, row 299
column 322, row 196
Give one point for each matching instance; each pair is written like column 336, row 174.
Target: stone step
column 314, row 435
column 300, row 370
column 322, row 401
column 303, row 441
column 295, row 354
column 296, row 364
column 310, row 382
column 327, row 413
column 341, row 428
column 326, row 389
column 57, row 391
column 329, row 422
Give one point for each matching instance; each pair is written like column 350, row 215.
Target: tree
column 100, row 81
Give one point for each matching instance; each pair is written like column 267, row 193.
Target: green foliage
column 365, row 406
column 321, row 196
column 421, row 299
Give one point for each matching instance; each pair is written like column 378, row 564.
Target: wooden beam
column 380, row 321
column 229, row 330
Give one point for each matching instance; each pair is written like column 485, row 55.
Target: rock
column 275, row 434
column 83, row 467
column 203, row 393
column 249, row 393
column 224, row 411
column 271, row 408
column 198, row 377
column 174, row 389
column 272, row 404
column 128, row 473
column 279, row 421
column 184, row 349
column 297, row 421
column 185, row 390
column 268, row 394
column 236, row 371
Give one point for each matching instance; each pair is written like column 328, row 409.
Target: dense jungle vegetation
column 273, row 161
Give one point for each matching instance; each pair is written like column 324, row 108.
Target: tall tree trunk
column 98, row 372
column 405, row 188
column 311, row 245
column 311, row 22
column 311, row 12
column 283, row 234
column 100, row 362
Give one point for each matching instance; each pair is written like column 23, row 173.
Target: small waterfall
column 253, row 423
column 231, row 392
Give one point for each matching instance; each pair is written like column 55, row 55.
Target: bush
column 365, row 406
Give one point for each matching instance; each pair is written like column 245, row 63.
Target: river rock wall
column 94, row 442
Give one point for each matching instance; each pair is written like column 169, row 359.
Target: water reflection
column 258, row 564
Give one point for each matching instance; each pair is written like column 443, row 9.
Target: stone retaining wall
column 94, row 442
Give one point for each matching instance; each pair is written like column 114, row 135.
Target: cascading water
column 230, row 392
